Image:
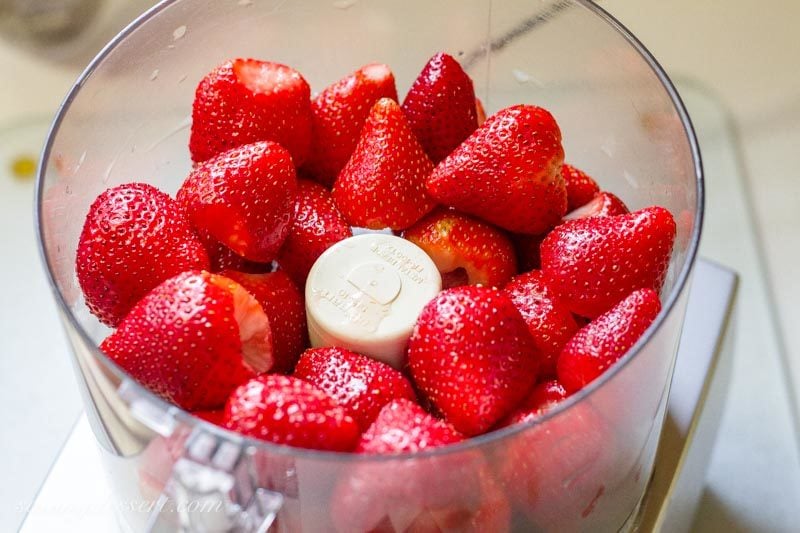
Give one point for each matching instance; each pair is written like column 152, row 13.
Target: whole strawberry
column 541, row 398
column 383, row 183
column 604, row 204
column 606, row 338
column 441, row 106
column 527, row 250
column 317, row 226
column 402, row 426
column 338, row 114
column 471, row 354
column 549, row 322
column 458, row 242
column 134, row 237
column 287, row 410
column 596, row 262
column 223, row 258
column 508, row 172
column 581, row 188
column 193, row 339
column 284, row 306
column 244, row 198
column 246, row 100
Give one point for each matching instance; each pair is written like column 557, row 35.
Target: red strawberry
column 456, row 241
column 287, row 410
column 604, row 204
column 596, row 262
column 543, row 396
column 223, row 258
column 213, row 417
column 471, row 354
column 549, row 322
column 338, row 114
column 193, row 339
column 360, row 384
column 317, row 226
column 383, row 183
column 508, row 172
column 244, row 198
column 480, row 112
column 246, row 100
column 284, row 306
column 527, row 249
column 607, row 338
column 440, row 106
column 403, row 427
column 134, row 237
column 581, row 188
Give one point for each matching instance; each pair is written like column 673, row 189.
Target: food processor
column 583, row 465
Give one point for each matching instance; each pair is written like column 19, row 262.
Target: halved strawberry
column 441, row 106
column 134, row 237
column 596, row 262
column 581, row 188
column 471, row 354
column 383, row 183
column 245, row 101
column 604, row 204
column 360, row 384
column 508, row 172
column 549, row 321
column 402, row 426
column 456, row 241
column 317, row 226
column 608, row 337
column 287, row 410
column 338, row 115
column 244, row 198
column 284, row 306
column 193, row 339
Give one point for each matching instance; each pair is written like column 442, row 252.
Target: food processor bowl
column 584, row 465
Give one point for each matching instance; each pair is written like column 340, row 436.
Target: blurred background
column 735, row 65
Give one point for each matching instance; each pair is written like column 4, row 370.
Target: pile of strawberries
column 547, row 279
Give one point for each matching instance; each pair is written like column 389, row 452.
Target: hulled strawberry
column 549, row 322
column 458, row 242
column 581, row 188
column 244, row 198
column 134, row 237
column 287, row 410
column 471, row 354
column 284, row 306
column 245, row 101
column 402, row 426
column 605, row 339
column 360, row 384
column 383, row 183
column 223, row 258
column 441, row 106
column 604, row 204
column 508, row 172
column 596, row 262
column 338, row 114
column 193, row 339
column 317, row 226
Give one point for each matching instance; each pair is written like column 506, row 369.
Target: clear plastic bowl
column 584, row 465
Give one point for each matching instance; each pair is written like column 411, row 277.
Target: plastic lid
column 366, row 292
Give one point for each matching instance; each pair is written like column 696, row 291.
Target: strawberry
column 245, row 101
column 244, row 198
column 581, row 188
column 193, row 339
column 480, row 112
column 549, row 322
column 508, row 172
column 541, row 398
column 403, row 427
column 455, row 241
column 284, row 306
column 223, row 258
column 596, row 262
column 287, row 410
column 383, row 183
column 338, row 114
column 440, row 106
column 213, row 417
column 471, row 354
column 608, row 337
column 527, row 250
column 360, row 384
column 317, row 226
column 134, row 237
column 604, row 204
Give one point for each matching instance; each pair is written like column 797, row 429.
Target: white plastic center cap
column 366, row 292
